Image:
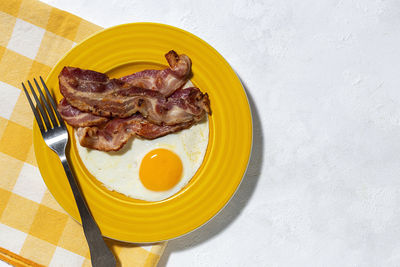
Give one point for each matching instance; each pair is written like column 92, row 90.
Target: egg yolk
column 160, row 170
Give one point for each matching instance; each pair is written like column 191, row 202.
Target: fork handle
column 100, row 254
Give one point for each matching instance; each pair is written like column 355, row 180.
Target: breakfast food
column 94, row 92
column 113, row 110
column 150, row 92
column 143, row 135
column 77, row 118
column 164, row 81
column 104, row 134
column 150, row 170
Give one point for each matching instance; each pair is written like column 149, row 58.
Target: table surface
column 322, row 187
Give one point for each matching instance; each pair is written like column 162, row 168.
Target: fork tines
column 44, row 111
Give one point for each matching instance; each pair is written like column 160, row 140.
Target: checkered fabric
column 34, row 229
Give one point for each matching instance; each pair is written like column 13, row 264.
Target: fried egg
column 150, row 170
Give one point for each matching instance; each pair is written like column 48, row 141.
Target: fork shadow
column 233, row 209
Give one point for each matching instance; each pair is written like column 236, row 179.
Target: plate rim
column 250, row 141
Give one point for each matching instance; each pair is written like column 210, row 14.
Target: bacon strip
column 94, row 92
column 114, row 134
column 77, row 118
column 106, row 113
column 111, row 134
column 165, row 81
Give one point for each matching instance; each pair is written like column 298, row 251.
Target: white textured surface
column 323, row 186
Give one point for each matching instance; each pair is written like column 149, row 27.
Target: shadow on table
column 242, row 196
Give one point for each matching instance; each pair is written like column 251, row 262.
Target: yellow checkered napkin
column 34, row 229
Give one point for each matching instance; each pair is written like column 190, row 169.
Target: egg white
column 119, row 170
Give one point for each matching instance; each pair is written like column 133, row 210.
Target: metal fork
column 55, row 135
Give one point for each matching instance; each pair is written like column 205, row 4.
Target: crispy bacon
column 77, row 118
column 165, row 81
column 148, row 104
column 111, row 134
column 94, row 92
column 114, row 134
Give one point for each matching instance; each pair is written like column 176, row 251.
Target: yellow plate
column 132, row 47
